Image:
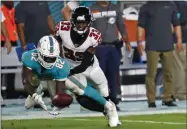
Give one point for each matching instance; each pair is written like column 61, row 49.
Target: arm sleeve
column 19, row 14
column 175, row 19
column 73, row 4
column 142, row 19
column 120, row 22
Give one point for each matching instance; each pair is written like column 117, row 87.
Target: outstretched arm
column 30, row 82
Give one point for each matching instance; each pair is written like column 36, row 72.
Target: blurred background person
column 155, row 19
column 33, row 20
column 8, row 10
column 4, row 32
column 7, row 43
column 71, row 5
column 109, row 51
column 179, row 58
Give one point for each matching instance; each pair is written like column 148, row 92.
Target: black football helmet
column 81, row 19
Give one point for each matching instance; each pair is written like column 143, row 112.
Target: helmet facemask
column 81, row 27
column 45, row 61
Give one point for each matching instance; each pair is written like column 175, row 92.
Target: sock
column 108, row 105
column 94, row 94
column 107, row 98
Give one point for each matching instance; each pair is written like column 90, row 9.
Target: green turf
column 100, row 123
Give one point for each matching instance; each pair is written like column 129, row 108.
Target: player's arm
column 88, row 59
column 30, row 83
column 60, row 86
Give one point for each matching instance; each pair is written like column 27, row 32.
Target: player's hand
column 38, row 99
column 8, row 45
column 129, row 47
column 140, row 49
column 179, row 46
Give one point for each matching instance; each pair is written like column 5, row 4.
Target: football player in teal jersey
column 44, row 63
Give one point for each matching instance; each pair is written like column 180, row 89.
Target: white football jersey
column 73, row 53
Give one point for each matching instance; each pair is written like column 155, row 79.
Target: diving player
column 44, row 63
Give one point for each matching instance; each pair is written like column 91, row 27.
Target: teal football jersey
column 59, row 72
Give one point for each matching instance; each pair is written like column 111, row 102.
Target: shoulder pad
column 95, row 36
column 61, row 27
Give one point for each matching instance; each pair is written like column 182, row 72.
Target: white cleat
column 29, row 102
column 112, row 115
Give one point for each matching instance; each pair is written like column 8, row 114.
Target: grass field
column 164, row 121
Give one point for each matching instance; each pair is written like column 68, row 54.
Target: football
column 62, row 100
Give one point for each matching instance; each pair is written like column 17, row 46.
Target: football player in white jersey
column 78, row 40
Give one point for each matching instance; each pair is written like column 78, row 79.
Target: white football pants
column 95, row 75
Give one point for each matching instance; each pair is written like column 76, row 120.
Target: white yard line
column 44, row 115
column 135, row 121
column 154, row 122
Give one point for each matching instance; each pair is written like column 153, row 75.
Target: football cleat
column 112, row 115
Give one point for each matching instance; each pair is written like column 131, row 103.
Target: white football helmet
column 48, row 51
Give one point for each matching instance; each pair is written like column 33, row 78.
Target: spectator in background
column 155, row 19
column 33, row 21
column 109, row 51
column 179, row 59
column 7, row 43
column 71, row 5
column 4, row 32
column 7, row 9
column 9, row 12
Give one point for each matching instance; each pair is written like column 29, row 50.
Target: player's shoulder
column 95, row 36
column 62, row 27
column 29, row 58
column 62, row 24
column 65, row 22
column 62, row 69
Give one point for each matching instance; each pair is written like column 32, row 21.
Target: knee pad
column 100, row 81
column 89, row 104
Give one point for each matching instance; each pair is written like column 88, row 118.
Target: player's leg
column 98, row 79
column 78, row 88
column 112, row 73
